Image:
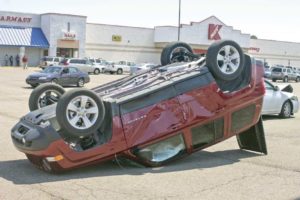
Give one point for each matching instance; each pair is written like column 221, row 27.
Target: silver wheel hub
column 228, row 59
column 47, row 98
column 82, row 112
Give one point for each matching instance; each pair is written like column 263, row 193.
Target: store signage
column 116, row 38
column 15, row 19
column 69, row 36
column 254, row 49
column 213, row 31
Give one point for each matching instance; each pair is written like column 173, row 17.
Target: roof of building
column 21, row 36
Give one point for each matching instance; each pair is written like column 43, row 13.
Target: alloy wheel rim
column 179, row 54
column 47, row 98
column 82, row 112
column 228, row 59
column 287, row 110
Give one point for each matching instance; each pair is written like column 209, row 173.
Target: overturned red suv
column 189, row 103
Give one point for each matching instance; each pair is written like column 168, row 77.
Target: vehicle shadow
column 274, row 117
column 22, row 172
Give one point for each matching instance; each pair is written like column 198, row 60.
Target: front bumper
column 37, row 81
column 34, row 132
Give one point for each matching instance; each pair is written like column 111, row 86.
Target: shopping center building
column 54, row 34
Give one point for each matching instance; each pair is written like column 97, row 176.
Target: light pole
column 179, row 19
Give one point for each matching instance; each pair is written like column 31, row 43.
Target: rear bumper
column 295, row 106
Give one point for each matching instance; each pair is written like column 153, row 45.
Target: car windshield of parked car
column 52, row 70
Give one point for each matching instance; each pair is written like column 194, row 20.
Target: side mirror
column 276, row 88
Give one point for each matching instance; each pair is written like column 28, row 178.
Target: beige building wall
column 121, row 43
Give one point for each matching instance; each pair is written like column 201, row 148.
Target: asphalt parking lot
column 219, row 172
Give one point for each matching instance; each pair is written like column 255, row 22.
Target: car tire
column 38, row 97
column 34, row 85
column 297, row 79
column 274, row 80
column 54, row 81
column 286, row 110
column 97, row 71
column 285, row 79
column 76, row 120
column 225, row 60
column 120, row 71
column 173, row 52
column 80, row 82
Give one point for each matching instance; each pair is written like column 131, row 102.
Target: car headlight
column 43, row 78
column 295, row 98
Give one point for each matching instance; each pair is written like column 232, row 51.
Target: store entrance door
column 67, row 52
column 67, row 48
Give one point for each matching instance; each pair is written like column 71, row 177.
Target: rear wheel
column 97, row 71
column 225, row 60
column 45, row 95
column 120, row 71
column 176, row 52
column 80, row 113
column 286, row 110
column 80, row 82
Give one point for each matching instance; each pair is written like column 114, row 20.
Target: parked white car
column 83, row 64
column 280, row 100
column 119, row 68
column 47, row 61
column 141, row 67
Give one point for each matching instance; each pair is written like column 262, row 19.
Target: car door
column 272, row 100
column 151, row 116
column 65, row 78
column 74, row 75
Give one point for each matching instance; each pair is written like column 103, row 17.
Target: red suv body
column 153, row 119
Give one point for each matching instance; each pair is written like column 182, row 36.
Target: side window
column 56, row 60
column 289, row 71
column 66, row 70
column 284, row 70
column 73, row 61
column 73, row 70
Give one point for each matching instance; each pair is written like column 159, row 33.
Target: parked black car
column 60, row 75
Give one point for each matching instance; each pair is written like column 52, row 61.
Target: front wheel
column 54, row 81
column 80, row 113
column 285, row 79
column 297, row 79
column 286, row 110
column 45, row 95
column 225, row 60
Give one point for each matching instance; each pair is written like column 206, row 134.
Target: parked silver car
column 279, row 100
column 285, row 74
column 83, row 64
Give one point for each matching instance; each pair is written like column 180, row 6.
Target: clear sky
column 267, row 19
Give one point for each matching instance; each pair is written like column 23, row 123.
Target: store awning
column 23, row 37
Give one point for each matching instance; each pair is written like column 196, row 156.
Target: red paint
column 165, row 119
column 15, row 19
column 213, row 31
